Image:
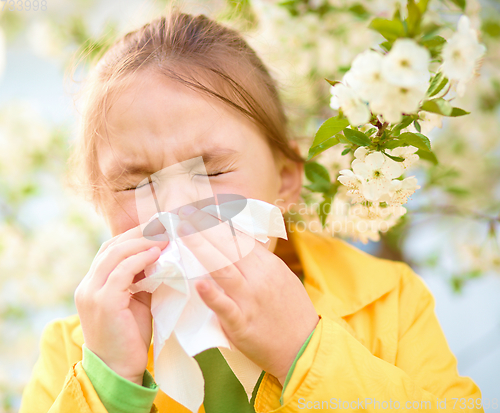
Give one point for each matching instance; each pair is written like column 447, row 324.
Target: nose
column 172, row 187
column 229, row 205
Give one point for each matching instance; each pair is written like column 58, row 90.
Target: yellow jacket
column 378, row 341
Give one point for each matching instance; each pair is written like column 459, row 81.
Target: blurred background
column 49, row 236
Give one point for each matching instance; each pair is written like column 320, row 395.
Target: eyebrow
column 213, row 158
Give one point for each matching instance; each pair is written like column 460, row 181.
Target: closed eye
column 132, row 188
column 213, row 173
column 147, row 183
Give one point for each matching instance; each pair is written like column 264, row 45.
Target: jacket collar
column 339, row 276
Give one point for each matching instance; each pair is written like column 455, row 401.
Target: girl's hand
column 263, row 308
column 117, row 325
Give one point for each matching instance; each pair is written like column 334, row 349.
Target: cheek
column 121, row 214
column 254, row 180
column 264, row 179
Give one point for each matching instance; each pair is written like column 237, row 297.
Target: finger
column 227, row 309
column 124, row 273
column 132, row 233
column 104, row 246
column 220, row 267
column 117, row 253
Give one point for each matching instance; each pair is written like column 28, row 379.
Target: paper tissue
column 183, row 325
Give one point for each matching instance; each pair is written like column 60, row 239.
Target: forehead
column 157, row 121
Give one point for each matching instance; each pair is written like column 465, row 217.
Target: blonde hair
column 187, row 49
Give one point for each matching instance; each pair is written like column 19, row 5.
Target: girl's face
column 157, row 123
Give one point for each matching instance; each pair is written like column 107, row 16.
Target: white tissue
column 183, row 325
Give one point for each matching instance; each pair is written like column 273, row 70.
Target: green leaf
column 458, row 112
column 417, row 140
column 439, row 106
column 329, row 128
column 343, row 139
column 429, row 29
column 386, row 45
column 425, row 140
column 319, row 177
column 455, row 190
column 357, row 137
column 457, row 284
column 325, row 206
column 394, row 158
column 434, row 44
column 422, row 6
column 397, row 12
column 442, row 107
column 370, row 132
column 343, row 69
column 332, row 82
column 323, row 146
column 404, row 124
column 394, row 144
column 346, row 151
column 428, row 156
column 417, row 126
column 491, row 28
column 438, row 82
column 433, row 41
column 359, row 10
column 414, row 18
column 390, row 29
column 460, row 3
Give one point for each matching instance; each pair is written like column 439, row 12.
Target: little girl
column 330, row 326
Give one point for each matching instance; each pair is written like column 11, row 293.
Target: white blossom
column 407, row 65
column 354, row 183
column 407, row 153
column 396, row 100
column 349, row 220
column 428, row 121
column 361, row 153
column 360, row 222
column 400, row 190
column 393, row 84
column 355, row 109
column 333, row 159
column 461, row 54
column 366, row 76
column 376, row 171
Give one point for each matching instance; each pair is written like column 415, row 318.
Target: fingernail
column 153, row 249
column 185, row 228
column 158, row 237
column 187, row 210
column 203, row 286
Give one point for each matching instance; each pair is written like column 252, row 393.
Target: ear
column 291, row 173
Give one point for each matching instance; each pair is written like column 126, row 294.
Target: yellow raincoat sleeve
column 336, row 369
column 54, row 387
